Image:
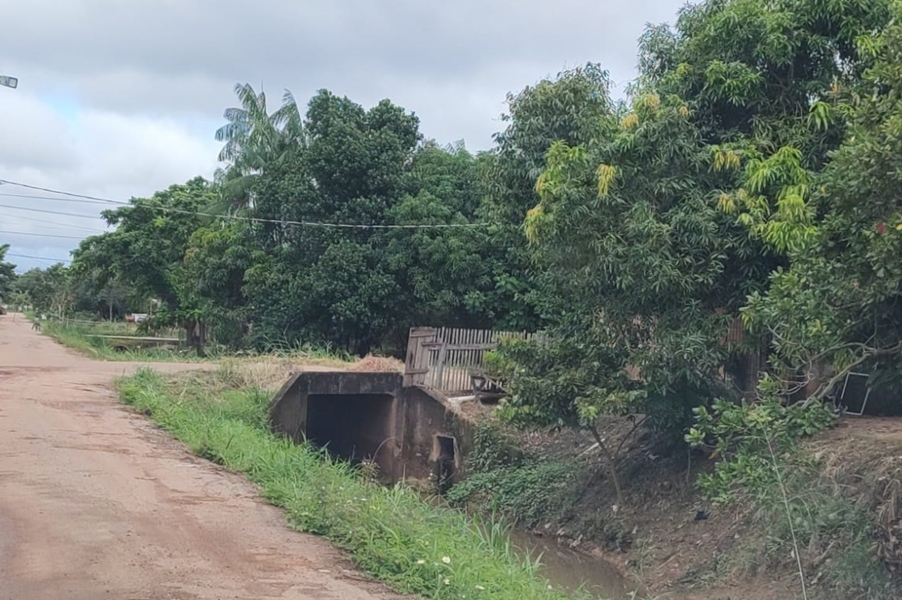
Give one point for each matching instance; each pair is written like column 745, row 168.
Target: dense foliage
column 743, row 201
column 723, row 184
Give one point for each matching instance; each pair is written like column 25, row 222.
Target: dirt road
column 95, row 502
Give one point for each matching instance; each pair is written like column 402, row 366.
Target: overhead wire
column 53, row 260
column 33, row 197
column 48, row 212
column 240, row 217
column 59, row 192
column 47, row 235
column 56, row 224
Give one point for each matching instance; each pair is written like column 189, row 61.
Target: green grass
column 78, row 337
column 525, row 487
column 391, row 533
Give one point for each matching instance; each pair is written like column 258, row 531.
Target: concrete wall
column 371, row 416
column 427, row 416
column 355, row 415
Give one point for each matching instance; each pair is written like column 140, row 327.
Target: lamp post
column 10, row 82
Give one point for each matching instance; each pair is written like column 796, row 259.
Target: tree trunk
column 192, row 338
column 611, row 460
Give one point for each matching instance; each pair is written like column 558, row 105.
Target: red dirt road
column 95, row 502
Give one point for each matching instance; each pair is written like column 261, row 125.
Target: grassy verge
column 391, row 533
column 78, row 337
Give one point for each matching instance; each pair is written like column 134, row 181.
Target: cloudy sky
column 119, row 98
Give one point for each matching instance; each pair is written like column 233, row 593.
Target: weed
column 391, row 533
column 526, row 489
column 268, row 369
column 81, row 337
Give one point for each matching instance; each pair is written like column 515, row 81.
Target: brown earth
column 655, row 539
column 96, row 502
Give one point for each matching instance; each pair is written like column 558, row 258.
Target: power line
column 53, row 260
column 242, row 218
column 56, row 224
column 48, row 235
column 50, row 191
column 48, row 212
column 31, row 197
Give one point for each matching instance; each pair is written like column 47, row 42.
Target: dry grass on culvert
column 378, row 364
column 269, row 373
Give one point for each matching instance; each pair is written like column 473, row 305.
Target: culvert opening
column 445, row 467
column 352, row 427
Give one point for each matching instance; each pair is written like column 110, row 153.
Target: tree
column 7, row 275
column 757, row 74
column 635, row 279
column 838, row 302
column 570, row 108
column 445, row 275
column 107, row 301
column 215, row 264
column 328, row 281
column 765, row 83
column 253, row 139
column 147, row 252
column 47, row 289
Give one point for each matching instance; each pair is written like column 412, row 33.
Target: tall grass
column 79, row 337
column 391, row 533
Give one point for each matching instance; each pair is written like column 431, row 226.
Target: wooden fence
column 444, row 359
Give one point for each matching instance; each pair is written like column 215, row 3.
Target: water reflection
column 571, row 570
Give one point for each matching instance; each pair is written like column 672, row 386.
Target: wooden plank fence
column 444, row 359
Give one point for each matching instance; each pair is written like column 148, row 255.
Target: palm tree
column 253, row 138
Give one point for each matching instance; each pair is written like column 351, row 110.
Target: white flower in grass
column 446, row 560
column 421, row 562
column 447, row 581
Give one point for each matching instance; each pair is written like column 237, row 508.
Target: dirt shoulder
column 97, row 502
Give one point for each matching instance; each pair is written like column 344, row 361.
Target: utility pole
column 10, row 82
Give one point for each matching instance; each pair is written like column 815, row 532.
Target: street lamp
column 10, row 82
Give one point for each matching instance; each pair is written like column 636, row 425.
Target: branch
column 869, row 354
column 636, row 424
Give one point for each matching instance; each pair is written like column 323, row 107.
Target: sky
column 118, row 99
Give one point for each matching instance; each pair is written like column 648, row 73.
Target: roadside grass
column 391, row 533
column 78, row 336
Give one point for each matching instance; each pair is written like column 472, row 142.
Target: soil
column 96, row 502
column 657, row 539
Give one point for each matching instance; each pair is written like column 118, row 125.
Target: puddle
column 571, row 570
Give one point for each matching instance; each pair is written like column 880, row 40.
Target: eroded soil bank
column 670, row 542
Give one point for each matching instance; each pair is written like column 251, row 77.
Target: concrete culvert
column 352, row 427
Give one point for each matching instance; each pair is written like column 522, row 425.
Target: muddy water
column 572, row 570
